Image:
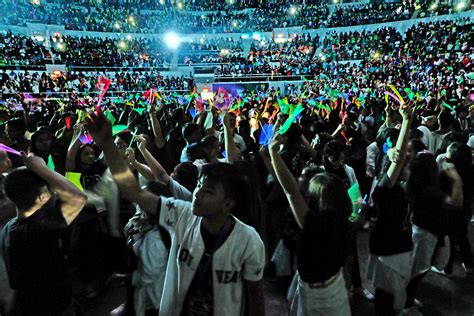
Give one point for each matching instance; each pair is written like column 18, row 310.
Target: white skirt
column 425, row 253
column 391, row 274
column 324, row 301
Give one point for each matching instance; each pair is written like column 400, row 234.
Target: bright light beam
column 172, row 40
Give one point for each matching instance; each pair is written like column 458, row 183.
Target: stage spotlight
column 293, row 10
column 172, row 40
column 461, row 6
column 122, row 45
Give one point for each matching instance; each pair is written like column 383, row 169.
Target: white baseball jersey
column 179, row 192
column 241, row 257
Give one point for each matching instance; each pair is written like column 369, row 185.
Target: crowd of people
column 40, row 84
column 132, row 179
column 384, row 48
column 218, row 16
column 19, row 50
column 371, row 13
column 171, row 171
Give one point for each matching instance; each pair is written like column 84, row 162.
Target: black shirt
column 341, row 173
column 392, row 233
column 36, row 262
column 91, row 176
column 322, row 247
column 200, row 297
column 429, row 211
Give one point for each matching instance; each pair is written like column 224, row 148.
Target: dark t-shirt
column 322, row 247
column 341, row 173
column 392, row 233
column 200, row 297
column 36, row 262
column 91, row 176
column 430, row 212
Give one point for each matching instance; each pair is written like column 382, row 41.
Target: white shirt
column 149, row 277
column 427, row 137
column 238, row 140
column 179, row 192
column 241, row 257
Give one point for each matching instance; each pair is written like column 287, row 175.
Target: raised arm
column 309, row 149
column 396, row 167
column 288, row 183
column 142, row 169
column 73, row 148
column 100, row 129
column 230, row 148
column 157, row 131
column 156, row 168
column 72, row 199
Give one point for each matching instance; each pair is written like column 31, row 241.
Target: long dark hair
column 253, row 201
column 423, row 174
column 330, row 206
column 328, row 195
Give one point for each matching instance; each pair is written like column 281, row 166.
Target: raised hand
column 130, row 155
column 33, row 162
column 142, row 142
column 226, row 120
column 406, row 110
column 100, row 129
column 276, row 142
column 395, row 156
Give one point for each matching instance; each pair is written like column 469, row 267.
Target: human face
column 5, row 162
column 410, row 151
column 337, row 162
column 121, row 145
column 214, row 151
column 209, row 199
column 14, row 133
column 232, row 121
column 43, row 143
column 88, row 156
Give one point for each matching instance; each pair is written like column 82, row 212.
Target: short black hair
column 22, row 186
column 333, row 149
column 445, row 119
column 415, row 133
column 17, row 123
column 417, row 145
column 186, row 174
column 226, row 174
column 36, row 135
column 189, row 129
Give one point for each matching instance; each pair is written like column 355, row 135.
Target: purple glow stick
column 10, row 150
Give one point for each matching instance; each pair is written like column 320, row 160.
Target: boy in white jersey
column 216, row 262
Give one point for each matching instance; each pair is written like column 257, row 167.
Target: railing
column 66, row 95
column 266, row 77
